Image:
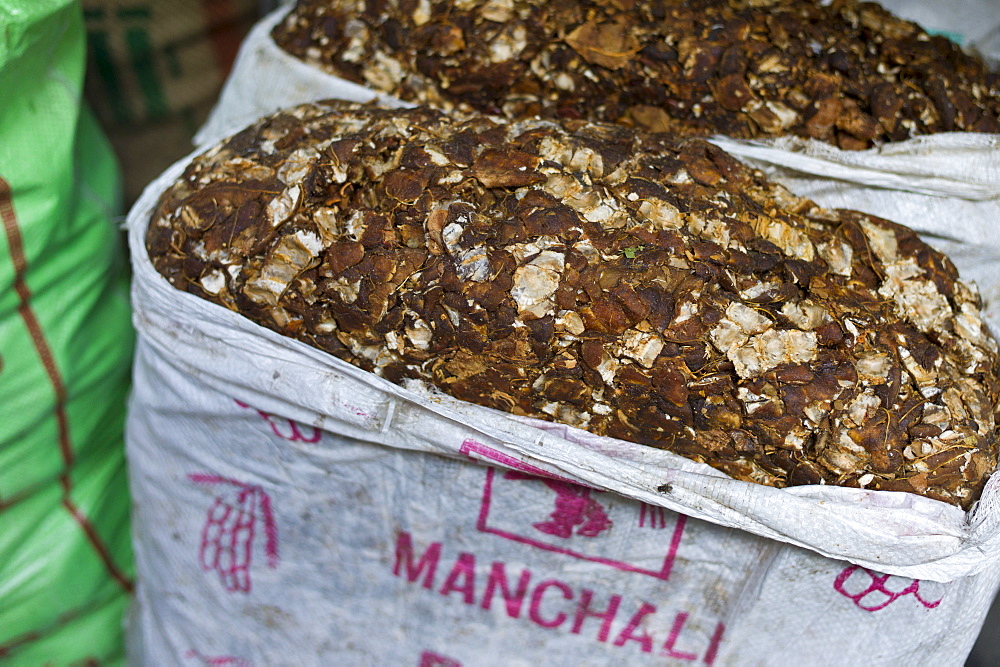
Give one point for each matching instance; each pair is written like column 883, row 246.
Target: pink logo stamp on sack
column 577, row 521
column 286, row 429
column 432, row 659
column 873, row 591
column 217, row 661
column 575, row 511
column 470, row 447
column 227, row 537
column 653, row 517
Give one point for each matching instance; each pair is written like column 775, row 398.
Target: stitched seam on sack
column 18, row 257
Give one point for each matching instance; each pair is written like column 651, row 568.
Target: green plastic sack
column 65, row 352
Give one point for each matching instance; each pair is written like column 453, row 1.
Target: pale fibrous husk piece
column 637, row 286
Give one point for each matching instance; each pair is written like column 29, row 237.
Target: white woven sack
column 293, row 509
column 318, row 515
